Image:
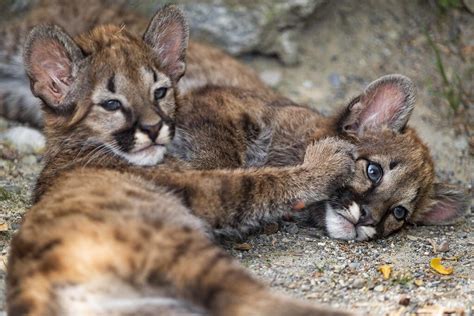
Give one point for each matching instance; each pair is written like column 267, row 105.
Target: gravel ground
column 345, row 46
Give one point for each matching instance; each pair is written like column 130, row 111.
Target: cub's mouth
column 147, row 148
column 141, row 147
column 342, row 217
column 348, row 222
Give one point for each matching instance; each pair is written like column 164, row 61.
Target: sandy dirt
column 345, row 45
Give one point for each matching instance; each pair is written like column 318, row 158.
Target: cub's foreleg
column 87, row 250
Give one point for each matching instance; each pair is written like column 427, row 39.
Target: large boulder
column 246, row 26
column 263, row 26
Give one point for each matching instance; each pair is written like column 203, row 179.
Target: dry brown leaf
column 436, row 265
column 386, row 270
column 243, row 246
column 404, row 300
column 270, row 228
column 3, row 263
column 437, row 310
column 442, row 247
column 419, row 282
column 3, row 226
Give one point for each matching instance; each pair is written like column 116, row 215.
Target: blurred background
column 323, row 53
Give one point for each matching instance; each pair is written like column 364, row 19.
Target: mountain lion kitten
column 106, row 235
column 256, row 127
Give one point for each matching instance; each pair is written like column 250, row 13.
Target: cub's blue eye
column 400, row 212
column 160, row 93
column 111, row 105
column 374, row 172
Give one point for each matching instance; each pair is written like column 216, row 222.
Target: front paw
column 333, row 160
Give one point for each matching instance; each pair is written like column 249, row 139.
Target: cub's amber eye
column 400, row 212
column 374, row 172
column 160, row 93
column 111, row 105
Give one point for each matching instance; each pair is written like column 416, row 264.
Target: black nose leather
column 365, row 216
column 152, row 130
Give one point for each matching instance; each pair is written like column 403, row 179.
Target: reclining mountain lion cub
column 106, row 236
column 270, row 130
column 104, row 224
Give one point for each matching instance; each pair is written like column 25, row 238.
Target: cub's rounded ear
column 51, row 60
column 385, row 103
column 168, row 35
column 447, row 205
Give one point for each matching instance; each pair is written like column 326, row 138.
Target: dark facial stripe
column 393, row 164
column 125, row 138
column 111, row 84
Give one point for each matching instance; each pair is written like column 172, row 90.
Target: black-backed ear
column 448, row 205
column 51, row 60
column 168, row 35
column 386, row 102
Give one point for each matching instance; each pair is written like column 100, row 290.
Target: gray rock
column 291, row 228
column 358, row 283
column 469, row 5
column 335, row 80
column 271, row 77
column 264, row 26
column 24, row 139
column 29, row 160
column 354, row 265
column 461, row 143
column 3, row 124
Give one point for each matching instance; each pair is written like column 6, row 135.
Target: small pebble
column 308, row 84
column 243, row 246
column 358, row 283
column 379, row 288
column 335, row 80
column 354, row 265
column 404, row 300
column 29, row 160
column 271, row 77
column 270, row 228
column 291, row 228
column 26, row 140
column 3, row 123
column 443, row 247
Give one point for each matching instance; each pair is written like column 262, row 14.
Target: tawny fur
column 86, row 198
column 107, row 223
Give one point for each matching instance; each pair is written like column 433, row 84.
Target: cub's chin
column 148, row 156
column 342, row 223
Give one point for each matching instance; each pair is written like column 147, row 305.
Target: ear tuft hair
column 447, row 206
column 51, row 60
column 168, row 35
column 386, row 102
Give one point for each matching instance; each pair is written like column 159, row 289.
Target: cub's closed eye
column 374, row 172
column 160, row 93
column 399, row 212
column 111, row 105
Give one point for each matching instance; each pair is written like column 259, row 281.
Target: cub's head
column 109, row 89
column 394, row 182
